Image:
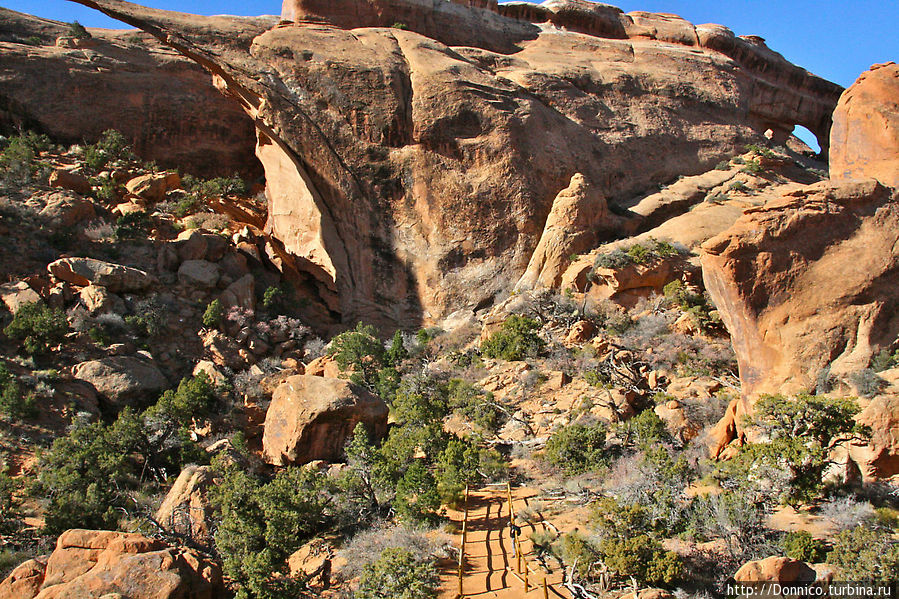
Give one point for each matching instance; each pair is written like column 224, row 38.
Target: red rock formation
column 808, row 283
column 311, row 418
column 865, row 135
column 162, row 102
column 411, row 179
column 97, row 563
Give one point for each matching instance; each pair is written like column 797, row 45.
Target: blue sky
column 835, row 39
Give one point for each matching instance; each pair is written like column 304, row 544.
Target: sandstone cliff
column 865, row 135
column 125, row 80
column 411, row 170
column 806, row 284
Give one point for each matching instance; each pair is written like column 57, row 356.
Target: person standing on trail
column 514, row 531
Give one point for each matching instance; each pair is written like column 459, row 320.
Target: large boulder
column 806, row 285
column 577, row 217
column 865, row 135
column 311, row 418
column 91, row 564
column 84, row 271
column 67, row 179
column 419, row 166
column 776, row 569
column 186, row 509
column 122, row 379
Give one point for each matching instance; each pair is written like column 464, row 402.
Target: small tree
column 14, row 402
column 214, row 314
column 38, row 327
column 865, row 554
column 78, row 31
column 361, row 352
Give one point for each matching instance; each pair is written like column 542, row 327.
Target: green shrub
column 33, row 40
column 638, row 253
column 400, row 26
column 149, row 318
column 644, row 430
column 577, row 448
column 214, row 314
column 361, row 352
column 14, row 402
column 78, row 31
column 642, row 558
column 865, row 554
column 17, row 160
column 803, row 546
column 273, row 299
column 133, row 225
column 112, row 147
column 477, row 405
column 738, row 186
column 752, row 167
column 790, row 466
column 579, row 553
column 516, row 340
column 38, row 327
column 218, row 187
column 760, row 151
column 885, row 360
column 10, row 516
column 723, row 165
column 397, row 574
column 87, row 475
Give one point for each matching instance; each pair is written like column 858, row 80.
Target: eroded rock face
column 410, row 172
column 807, row 283
column 90, row 564
column 574, row 225
column 311, row 417
column 865, row 134
column 126, row 81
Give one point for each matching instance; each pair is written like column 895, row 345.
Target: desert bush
column 360, row 352
column 217, row 187
column 752, row 167
column 739, row 521
column 790, row 466
column 38, row 327
column 214, row 314
column 17, row 160
column 847, row 512
column 262, row 523
column 367, row 546
column 397, row 574
column 111, row 148
column 738, row 186
column 133, row 225
column 475, row 404
column 758, row 150
column 78, row 31
column 723, row 165
column 149, row 318
column 578, row 448
column 638, row 253
column 803, row 546
column 864, row 553
column 516, row 340
column 866, row 382
column 885, row 360
column 644, row 430
column 14, row 401
column 207, row 220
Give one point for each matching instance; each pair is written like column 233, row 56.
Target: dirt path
column 490, row 565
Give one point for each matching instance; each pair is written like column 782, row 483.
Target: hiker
column 514, row 531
